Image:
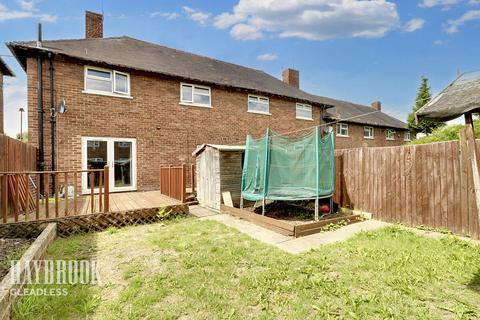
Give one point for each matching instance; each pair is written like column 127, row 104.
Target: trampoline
column 277, row 167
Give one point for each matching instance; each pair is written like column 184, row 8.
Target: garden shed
column 218, row 169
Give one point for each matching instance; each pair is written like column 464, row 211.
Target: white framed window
column 107, row 82
column 257, row 104
column 194, row 95
column 390, row 134
column 406, row 136
column 304, row 111
column 368, row 132
column 342, row 130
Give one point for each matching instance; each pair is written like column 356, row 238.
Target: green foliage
column 23, row 137
column 446, row 133
column 423, row 97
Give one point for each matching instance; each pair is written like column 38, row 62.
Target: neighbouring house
column 136, row 105
column 363, row 126
column 4, row 71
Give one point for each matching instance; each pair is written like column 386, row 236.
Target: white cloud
column 442, row 3
column 8, row 14
column 438, row 42
column 27, row 5
column 309, row 19
column 167, row 15
column 454, row 25
column 243, row 31
column 267, row 57
column 413, row 25
column 196, row 15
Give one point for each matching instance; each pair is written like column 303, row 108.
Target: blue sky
column 354, row 50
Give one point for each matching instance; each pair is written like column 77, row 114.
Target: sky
column 354, row 50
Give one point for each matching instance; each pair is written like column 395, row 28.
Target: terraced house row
column 136, row 105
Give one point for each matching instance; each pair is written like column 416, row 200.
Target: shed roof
column 4, row 69
column 220, row 147
column 461, row 96
column 136, row 54
column 361, row 114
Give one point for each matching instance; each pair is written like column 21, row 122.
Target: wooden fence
column 173, row 181
column 21, row 199
column 16, row 155
column 429, row 185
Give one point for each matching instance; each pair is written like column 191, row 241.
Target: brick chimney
column 93, row 25
column 377, row 105
column 291, row 77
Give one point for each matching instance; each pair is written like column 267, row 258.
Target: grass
column 189, row 268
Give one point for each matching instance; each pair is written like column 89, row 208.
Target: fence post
column 5, row 198
column 160, row 182
column 106, row 194
column 183, row 184
column 169, row 180
column 192, row 177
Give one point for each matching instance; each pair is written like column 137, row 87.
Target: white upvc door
column 120, row 154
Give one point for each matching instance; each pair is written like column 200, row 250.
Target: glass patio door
column 118, row 153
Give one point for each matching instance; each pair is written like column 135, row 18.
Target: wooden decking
column 118, row 202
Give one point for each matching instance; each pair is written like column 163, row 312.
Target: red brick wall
column 1, row 102
column 356, row 139
column 166, row 132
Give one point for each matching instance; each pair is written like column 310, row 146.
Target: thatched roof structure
column 460, row 97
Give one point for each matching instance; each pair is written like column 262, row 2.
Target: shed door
column 208, row 184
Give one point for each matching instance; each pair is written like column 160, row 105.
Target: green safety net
column 278, row 167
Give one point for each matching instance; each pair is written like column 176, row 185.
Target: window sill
column 195, row 105
column 369, row 138
column 342, row 136
column 407, row 140
column 258, row 112
column 107, row 94
column 306, row 119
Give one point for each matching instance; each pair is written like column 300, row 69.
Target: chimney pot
column 93, row 25
column 377, row 105
column 291, row 77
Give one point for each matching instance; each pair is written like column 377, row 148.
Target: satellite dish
column 62, row 107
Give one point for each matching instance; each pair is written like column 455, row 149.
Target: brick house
column 136, row 105
column 4, row 71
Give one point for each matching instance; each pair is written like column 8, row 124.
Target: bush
column 446, row 133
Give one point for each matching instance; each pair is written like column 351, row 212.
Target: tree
column 423, row 97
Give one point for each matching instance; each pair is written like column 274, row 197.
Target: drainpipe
column 41, row 157
column 53, row 116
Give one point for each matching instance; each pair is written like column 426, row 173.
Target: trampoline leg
column 241, row 202
column 316, row 209
column 263, row 207
column 331, row 205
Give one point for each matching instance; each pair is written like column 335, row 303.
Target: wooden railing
column 173, row 181
column 21, row 194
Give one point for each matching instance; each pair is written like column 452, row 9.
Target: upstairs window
column 390, row 134
column 368, row 132
column 304, row 111
column 257, row 104
column 195, row 95
column 342, row 130
column 106, row 81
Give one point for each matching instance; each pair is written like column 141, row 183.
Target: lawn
column 192, row 269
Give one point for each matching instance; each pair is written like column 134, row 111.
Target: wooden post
column 92, row 189
column 47, row 195
column 27, row 198
column 100, row 182
column 183, row 184
column 75, row 193
column 65, row 192
column 169, row 180
column 5, row 198
column 37, row 197
column 106, row 194
column 470, row 134
column 55, row 186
